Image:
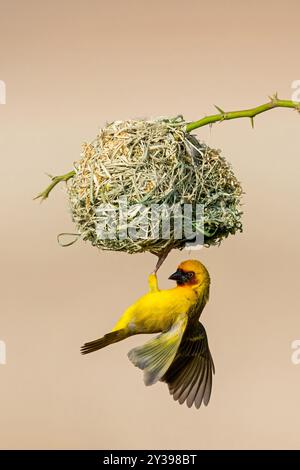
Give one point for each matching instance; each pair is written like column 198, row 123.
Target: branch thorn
column 221, row 111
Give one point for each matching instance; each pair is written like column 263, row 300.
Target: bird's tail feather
column 156, row 356
column 106, row 340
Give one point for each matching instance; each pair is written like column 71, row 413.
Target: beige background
column 70, row 66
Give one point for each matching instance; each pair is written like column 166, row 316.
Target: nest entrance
column 151, row 163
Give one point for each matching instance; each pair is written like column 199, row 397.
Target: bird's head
column 191, row 273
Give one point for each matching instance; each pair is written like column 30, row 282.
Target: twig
column 54, row 181
column 274, row 102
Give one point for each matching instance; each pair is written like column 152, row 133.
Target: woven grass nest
column 152, row 162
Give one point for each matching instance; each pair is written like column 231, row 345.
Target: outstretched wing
column 190, row 375
column 156, row 356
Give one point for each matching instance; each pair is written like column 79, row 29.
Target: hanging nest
column 151, row 162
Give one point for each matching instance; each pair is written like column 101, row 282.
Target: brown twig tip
column 221, row 111
column 274, row 98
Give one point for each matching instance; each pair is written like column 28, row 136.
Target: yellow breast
column 157, row 310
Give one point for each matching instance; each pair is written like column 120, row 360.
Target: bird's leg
column 152, row 279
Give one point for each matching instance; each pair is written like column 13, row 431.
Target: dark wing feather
column 190, row 375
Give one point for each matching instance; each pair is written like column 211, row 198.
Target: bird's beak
column 178, row 276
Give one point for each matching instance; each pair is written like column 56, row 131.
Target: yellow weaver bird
column 180, row 355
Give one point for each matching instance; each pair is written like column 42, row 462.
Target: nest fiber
column 151, row 163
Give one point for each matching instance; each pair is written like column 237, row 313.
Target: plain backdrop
column 69, row 67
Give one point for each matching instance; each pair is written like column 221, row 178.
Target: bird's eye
column 190, row 274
